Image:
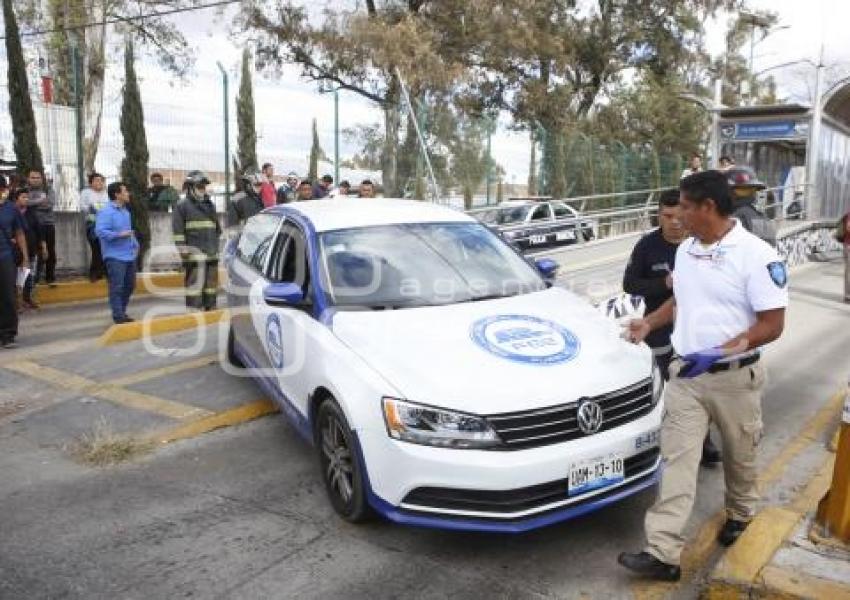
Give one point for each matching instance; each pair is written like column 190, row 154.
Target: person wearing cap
column 11, row 236
column 729, row 299
column 92, row 199
column 197, row 231
column 323, row 187
column 745, row 186
column 289, row 190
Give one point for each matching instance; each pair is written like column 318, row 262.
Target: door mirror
column 283, row 294
column 547, row 267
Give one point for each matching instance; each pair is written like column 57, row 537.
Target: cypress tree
column 134, row 166
column 27, row 152
column 315, row 153
column 247, row 131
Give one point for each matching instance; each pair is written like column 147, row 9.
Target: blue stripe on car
column 398, row 515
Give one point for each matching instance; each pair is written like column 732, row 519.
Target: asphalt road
column 241, row 513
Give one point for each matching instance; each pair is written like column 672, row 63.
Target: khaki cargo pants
column 732, row 400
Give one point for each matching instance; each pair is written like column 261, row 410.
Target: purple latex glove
column 698, row 363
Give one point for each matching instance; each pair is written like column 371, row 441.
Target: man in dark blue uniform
column 11, row 235
column 649, row 274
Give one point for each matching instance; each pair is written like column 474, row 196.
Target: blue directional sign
column 765, row 130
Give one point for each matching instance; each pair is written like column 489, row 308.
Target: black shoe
column 710, row 454
column 731, row 531
column 648, row 566
column 8, row 344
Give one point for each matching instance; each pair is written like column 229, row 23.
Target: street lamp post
column 226, row 133
column 336, row 136
column 763, row 23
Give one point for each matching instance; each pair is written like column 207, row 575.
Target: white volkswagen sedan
column 443, row 381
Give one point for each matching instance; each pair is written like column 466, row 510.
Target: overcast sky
column 185, row 120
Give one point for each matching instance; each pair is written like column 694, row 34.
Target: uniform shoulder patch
column 778, row 273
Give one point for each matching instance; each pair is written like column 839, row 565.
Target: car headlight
column 430, row 426
column 657, row 383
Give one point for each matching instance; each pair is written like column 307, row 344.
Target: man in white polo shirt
column 729, row 299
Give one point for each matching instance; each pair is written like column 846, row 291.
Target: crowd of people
column 28, row 233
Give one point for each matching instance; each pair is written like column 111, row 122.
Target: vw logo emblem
column 589, row 417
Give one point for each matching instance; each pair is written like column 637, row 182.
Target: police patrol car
column 442, row 380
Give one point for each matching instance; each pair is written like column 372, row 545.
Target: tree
column 71, row 22
column 247, row 136
column 316, row 154
column 134, row 166
column 360, row 49
column 734, row 65
column 532, row 167
column 27, row 151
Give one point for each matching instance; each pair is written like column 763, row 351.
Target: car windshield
column 427, row 264
column 505, row 216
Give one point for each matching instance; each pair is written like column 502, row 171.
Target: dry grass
column 103, row 447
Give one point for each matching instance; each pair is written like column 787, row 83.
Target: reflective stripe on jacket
column 195, row 226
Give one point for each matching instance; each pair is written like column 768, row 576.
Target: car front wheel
column 340, row 464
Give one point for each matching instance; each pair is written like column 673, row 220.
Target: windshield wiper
column 488, row 297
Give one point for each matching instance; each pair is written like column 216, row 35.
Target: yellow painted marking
column 757, row 545
column 137, row 330
column 779, row 583
column 697, row 552
column 77, row 291
column 158, row 372
column 241, row 414
column 108, row 392
column 168, row 283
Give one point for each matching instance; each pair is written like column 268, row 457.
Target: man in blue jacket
column 119, row 248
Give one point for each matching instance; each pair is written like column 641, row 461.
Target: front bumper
column 502, row 491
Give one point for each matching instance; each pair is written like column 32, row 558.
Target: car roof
column 329, row 214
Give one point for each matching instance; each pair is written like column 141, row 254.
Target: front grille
column 556, row 424
column 510, row 501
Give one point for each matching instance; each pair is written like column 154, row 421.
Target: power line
column 114, row 20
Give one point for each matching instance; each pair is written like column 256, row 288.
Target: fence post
column 225, row 84
column 78, row 111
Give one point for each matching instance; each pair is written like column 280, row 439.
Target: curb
column 82, row 290
column 227, row 418
column 127, row 332
column 744, row 570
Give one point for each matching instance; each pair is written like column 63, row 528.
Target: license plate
column 563, row 236
column 537, row 239
column 589, row 475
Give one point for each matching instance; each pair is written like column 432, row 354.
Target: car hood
column 495, row 356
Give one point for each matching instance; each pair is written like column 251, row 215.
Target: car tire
column 232, row 359
column 340, row 464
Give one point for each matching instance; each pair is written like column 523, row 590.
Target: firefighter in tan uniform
column 729, row 299
column 196, row 234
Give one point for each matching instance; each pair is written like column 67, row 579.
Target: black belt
column 735, row 364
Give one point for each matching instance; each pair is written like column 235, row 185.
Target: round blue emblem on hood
column 525, row 339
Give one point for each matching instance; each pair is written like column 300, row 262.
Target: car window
column 541, row 213
column 562, row 211
column 423, row 264
column 256, row 239
column 288, row 261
